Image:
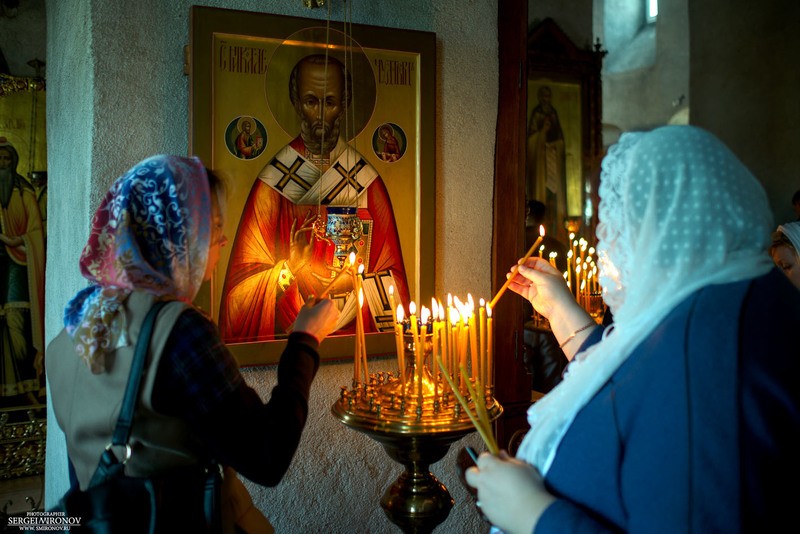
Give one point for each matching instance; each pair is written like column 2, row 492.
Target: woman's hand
column 511, row 493
column 317, row 318
column 545, row 288
column 543, row 285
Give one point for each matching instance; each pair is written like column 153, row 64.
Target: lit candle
column 401, row 356
column 516, row 267
column 489, row 345
column 482, row 326
column 473, row 339
column 424, row 316
column 449, row 333
column 455, row 322
column 443, row 336
column 434, row 335
column 362, row 343
column 541, row 250
column 412, row 310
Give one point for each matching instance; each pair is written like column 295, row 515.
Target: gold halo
column 311, row 41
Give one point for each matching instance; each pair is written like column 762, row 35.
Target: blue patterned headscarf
column 151, row 233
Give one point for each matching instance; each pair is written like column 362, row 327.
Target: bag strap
column 123, row 429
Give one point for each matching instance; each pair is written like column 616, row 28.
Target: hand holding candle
column 516, row 267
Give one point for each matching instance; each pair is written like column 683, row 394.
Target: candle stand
column 415, row 422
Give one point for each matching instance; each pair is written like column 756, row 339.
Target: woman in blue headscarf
column 157, row 236
column 684, row 416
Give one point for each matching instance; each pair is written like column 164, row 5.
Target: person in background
column 684, row 415
column 157, row 235
column 784, row 250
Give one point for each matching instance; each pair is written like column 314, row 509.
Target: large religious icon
column 319, row 190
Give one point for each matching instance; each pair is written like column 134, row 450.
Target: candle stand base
column 415, row 431
column 416, row 502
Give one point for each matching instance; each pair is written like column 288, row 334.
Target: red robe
column 254, row 305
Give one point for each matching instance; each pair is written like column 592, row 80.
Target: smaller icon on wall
column 389, row 142
column 246, row 137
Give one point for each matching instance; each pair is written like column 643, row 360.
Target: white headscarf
column 678, row 212
column 792, row 231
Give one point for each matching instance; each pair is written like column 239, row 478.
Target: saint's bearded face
column 320, row 106
column 5, row 159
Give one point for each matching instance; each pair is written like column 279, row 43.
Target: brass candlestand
column 416, row 431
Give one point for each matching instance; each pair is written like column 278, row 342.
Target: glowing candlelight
column 482, row 351
column 489, row 345
column 360, row 335
column 516, row 267
column 401, row 357
column 325, row 291
column 412, row 310
column 424, row 315
column 473, row 339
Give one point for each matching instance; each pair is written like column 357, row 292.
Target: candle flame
column 488, row 310
column 434, row 308
column 541, row 230
column 470, row 301
column 424, row 315
column 360, row 268
column 482, row 303
column 352, row 258
column 412, row 308
column 571, row 236
column 400, row 313
column 360, row 297
column 454, row 316
column 449, row 300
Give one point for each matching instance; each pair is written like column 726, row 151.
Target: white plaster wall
column 117, row 93
column 643, row 97
column 744, row 80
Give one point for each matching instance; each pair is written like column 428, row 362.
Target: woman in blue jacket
column 683, row 416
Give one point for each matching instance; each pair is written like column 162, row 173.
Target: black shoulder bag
column 115, row 503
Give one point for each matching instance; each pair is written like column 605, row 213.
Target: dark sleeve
column 199, row 380
column 770, row 403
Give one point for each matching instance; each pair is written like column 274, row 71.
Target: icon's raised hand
column 301, row 244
